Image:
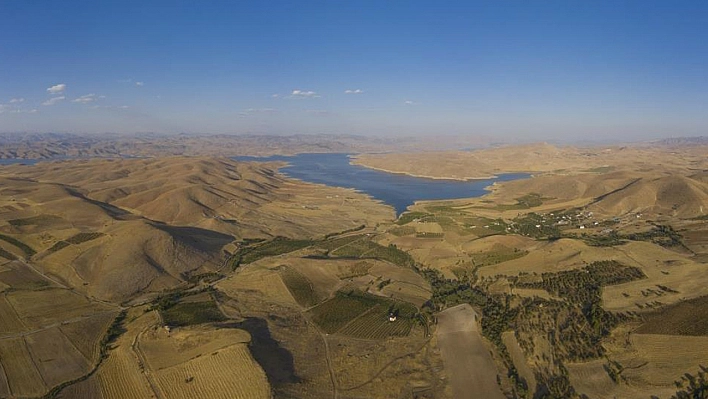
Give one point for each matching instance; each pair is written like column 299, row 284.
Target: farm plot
column 20, row 277
column 4, row 387
column 86, row 334
column 375, row 324
column 22, row 375
column 55, row 357
column 40, row 308
column 10, row 322
column 89, row 388
column 120, row 377
column 83, row 237
column 684, row 318
column 333, row 314
column 364, row 316
column 227, row 373
column 190, row 313
column 300, row 287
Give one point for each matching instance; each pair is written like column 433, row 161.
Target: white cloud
column 409, row 102
column 140, row 84
column 276, row 95
column 303, row 94
column 17, row 100
column 88, row 98
column 54, row 100
column 356, row 91
column 56, row 89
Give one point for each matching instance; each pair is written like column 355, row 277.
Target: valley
column 209, row 277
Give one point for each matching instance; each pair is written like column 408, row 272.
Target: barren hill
column 143, row 225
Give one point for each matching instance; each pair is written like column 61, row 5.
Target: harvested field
column 56, row 357
column 20, row 277
column 89, row 388
column 23, row 377
column 164, row 349
column 227, row 373
column 39, row 308
column 659, row 360
column 4, row 387
column 120, row 377
column 467, row 361
column 10, row 322
column 684, row 318
column 86, row 334
column 259, row 281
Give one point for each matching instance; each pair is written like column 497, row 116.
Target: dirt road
column 467, row 359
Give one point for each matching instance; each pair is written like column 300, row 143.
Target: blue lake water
column 397, row 190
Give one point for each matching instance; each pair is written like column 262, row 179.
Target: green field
column 190, row 313
column 83, row 237
column 498, row 254
column 57, row 246
column 300, row 287
column 363, row 316
column 277, row 246
column 34, row 220
column 19, row 244
column 375, row 323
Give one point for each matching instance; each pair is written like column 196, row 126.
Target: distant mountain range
column 684, row 141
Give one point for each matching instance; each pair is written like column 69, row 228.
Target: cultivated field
column 472, row 371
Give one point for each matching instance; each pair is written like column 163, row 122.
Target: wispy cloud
column 409, row 102
column 88, row 98
column 140, row 84
column 276, row 95
column 17, row 100
column 355, row 91
column 54, row 100
column 303, row 94
column 56, row 89
column 319, row 112
column 255, row 111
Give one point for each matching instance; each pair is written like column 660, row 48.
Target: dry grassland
column 262, row 282
column 662, row 267
column 519, row 359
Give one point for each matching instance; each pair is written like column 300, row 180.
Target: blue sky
column 514, row 70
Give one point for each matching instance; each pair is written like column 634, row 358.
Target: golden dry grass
column 163, row 349
column 225, row 373
column 120, row 375
column 519, row 359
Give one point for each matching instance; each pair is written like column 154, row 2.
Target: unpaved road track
column 466, row 357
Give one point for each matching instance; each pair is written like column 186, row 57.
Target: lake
column 397, row 190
